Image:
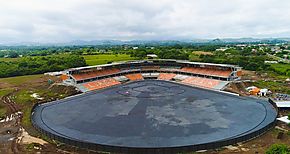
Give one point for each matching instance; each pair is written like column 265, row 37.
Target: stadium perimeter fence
column 162, row 150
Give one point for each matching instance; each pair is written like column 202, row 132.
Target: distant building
column 150, row 48
column 270, row 62
column 135, row 48
column 253, row 90
column 241, row 45
column 276, row 49
column 254, row 50
column 222, row 49
column 151, row 56
column 263, row 92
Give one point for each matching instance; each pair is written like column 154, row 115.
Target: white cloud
column 66, row 20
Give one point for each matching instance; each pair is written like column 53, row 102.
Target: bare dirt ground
column 14, row 138
column 8, row 133
column 247, row 79
column 10, row 104
column 239, row 88
column 25, row 138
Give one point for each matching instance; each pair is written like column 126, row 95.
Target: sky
column 51, row 21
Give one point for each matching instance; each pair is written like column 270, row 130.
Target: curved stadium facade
column 153, row 106
column 206, row 75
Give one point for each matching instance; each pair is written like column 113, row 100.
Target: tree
column 36, row 65
column 13, row 54
column 173, row 54
column 77, row 52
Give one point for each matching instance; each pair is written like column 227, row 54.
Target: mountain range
column 156, row 42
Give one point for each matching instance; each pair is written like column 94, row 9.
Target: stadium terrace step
column 166, row 76
column 201, row 82
column 100, row 84
column 134, row 77
column 207, row 71
column 94, row 73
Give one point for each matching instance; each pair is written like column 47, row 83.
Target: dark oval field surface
column 153, row 114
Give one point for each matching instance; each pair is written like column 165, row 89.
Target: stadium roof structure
column 283, row 104
column 155, row 60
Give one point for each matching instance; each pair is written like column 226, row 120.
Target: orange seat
column 201, row 82
column 166, row 76
column 207, row 71
column 134, row 77
column 99, row 84
column 94, row 73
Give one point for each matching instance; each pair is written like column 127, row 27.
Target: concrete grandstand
column 205, row 75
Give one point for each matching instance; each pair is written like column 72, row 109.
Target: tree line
column 38, row 65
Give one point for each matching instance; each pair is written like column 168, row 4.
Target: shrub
column 278, row 149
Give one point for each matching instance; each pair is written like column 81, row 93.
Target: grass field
column 8, row 59
column 106, row 58
column 20, row 79
column 194, row 56
column 281, row 69
column 202, row 53
column 91, row 59
column 23, row 87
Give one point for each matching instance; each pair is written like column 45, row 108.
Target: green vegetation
column 3, row 111
column 281, row 69
column 274, row 86
column 20, row 79
column 37, row 65
column 28, row 85
column 243, row 58
column 289, row 123
column 4, row 92
column 44, row 59
column 26, row 101
column 9, row 59
column 278, row 149
column 173, row 54
column 167, row 53
column 31, row 146
column 106, row 58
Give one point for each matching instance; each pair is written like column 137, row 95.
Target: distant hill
column 157, row 42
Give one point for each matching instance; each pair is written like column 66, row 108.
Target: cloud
column 67, row 20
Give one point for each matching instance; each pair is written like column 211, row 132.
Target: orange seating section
column 92, row 74
column 99, row 84
column 134, row 77
column 207, row 71
column 166, row 76
column 196, row 70
column 201, row 82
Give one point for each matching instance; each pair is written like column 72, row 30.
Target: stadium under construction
column 153, row 106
